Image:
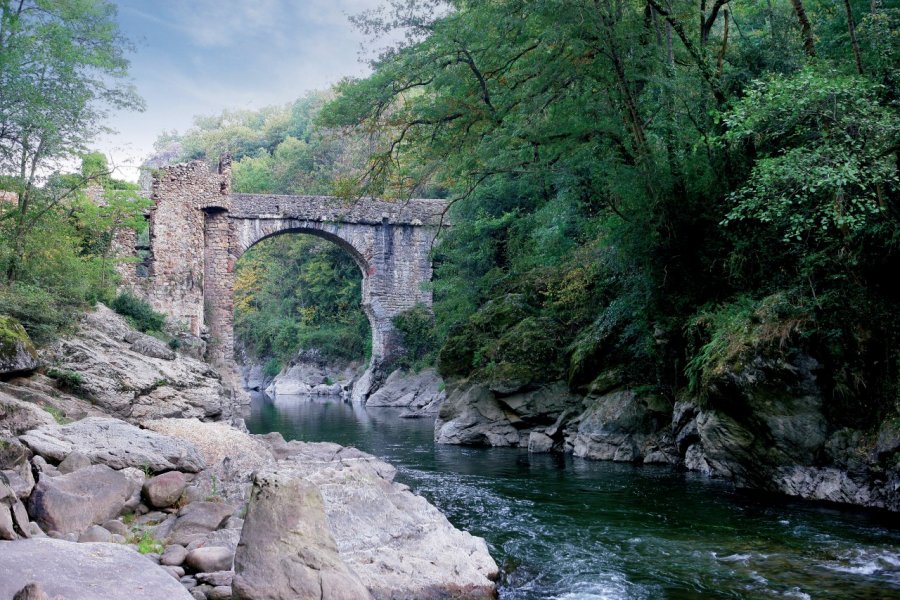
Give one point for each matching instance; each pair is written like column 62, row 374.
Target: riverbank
column 763, row 428
column 134, row 459
column 566, row 527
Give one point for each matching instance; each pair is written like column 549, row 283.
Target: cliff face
column 764, row 428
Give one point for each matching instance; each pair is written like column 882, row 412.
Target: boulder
column 84, row 571
column 286, row 550
column 199, row 518
column 17, row 416
column 74, row 502
column 216, row 578
column 17, row 353
column 32, row 591
column 397, row 543
column 173, row 555
column 114, row 443
column 74, row 461
column 422, row 391
column 7, row 530
column 164, row 490
column 209, row 558
column 95, row 533
column 539, row 442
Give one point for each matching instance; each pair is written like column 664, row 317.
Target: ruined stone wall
column 177, row 227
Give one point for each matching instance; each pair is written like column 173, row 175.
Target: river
column 566, row 528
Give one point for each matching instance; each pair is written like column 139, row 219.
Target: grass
column 57, row 415
column 146, row 543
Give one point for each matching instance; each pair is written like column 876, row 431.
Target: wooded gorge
column 664, row 191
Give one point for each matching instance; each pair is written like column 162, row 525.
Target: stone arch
column 199, row 228
column 356, row 243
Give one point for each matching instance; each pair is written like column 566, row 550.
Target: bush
column 272, row 367
column 138, row 313
column 417, row 329
column 66, row 379
column 43, row 314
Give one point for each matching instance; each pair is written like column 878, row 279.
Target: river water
column 566, row 528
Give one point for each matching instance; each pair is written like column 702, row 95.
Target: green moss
column 13, row 338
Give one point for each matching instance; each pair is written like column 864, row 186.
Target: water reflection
column 575, row 529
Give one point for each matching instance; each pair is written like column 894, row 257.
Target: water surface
column 566, row 528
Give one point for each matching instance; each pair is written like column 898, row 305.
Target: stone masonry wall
column 177, row 240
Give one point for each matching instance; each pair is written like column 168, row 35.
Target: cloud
column 203, row 56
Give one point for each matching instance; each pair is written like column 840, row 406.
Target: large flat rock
column 115, row 443
column 84, row 571
column 397, row 543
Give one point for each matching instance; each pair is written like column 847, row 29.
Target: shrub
column 67, row 379
column 272, row 367
column 138, row 312
column 417, row 330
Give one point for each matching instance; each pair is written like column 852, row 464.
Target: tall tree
column 62, row 68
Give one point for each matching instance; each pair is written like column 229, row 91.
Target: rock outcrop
column 84, row 571
column 481, row 414
column 17, row 353
column 310, row 375
column 420, row 392
column 114, row 443
column 398, row 544
column 133, row 376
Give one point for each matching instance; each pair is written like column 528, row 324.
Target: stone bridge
column 198, row 230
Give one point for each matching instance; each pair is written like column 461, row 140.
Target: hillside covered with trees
column 636, row 185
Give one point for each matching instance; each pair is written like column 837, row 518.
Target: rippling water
column 565, row 528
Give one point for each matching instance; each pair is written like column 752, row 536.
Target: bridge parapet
column 364, row 211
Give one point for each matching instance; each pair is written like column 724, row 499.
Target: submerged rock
column 84, row 571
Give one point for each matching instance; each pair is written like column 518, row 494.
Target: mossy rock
column 17, row 353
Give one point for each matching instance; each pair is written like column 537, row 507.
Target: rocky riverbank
column 763, row 428
column 128, row 475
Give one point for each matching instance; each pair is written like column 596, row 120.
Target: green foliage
column 272, row 367
column 417, row 330
column 13, row 337
column 607, row 181
column 138, row 312
column 67, row 379
column 146, row 543
column 58, row 415
column 296, row 293
column 727, row 337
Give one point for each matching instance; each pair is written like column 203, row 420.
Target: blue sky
column 198, row 57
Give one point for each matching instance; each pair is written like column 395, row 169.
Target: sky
column 199, row 57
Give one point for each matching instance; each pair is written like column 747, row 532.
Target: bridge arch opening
column 298, row 299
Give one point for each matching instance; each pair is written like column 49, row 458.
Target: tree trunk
column 852, row 27
column 805, row 28
column 721, row 60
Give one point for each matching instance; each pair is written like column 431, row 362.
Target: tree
column 62, row 68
